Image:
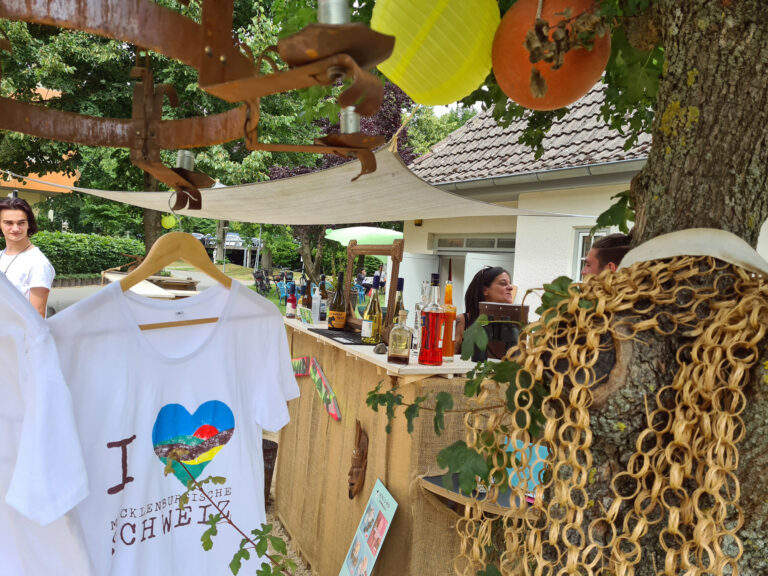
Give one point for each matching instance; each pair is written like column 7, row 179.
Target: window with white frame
column 583, row 244
column 470, row 243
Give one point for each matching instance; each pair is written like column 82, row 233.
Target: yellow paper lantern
column 442, row 47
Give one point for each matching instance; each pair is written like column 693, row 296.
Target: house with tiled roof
column 584, row 164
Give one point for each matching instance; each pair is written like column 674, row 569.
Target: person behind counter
column 606, row 253
column 491, row 284
column 22, row 262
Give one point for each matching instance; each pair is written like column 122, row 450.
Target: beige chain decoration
column 681, row 480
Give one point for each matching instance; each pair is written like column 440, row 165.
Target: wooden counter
column 315, row 454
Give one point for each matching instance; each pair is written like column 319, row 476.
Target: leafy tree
column 426, row 129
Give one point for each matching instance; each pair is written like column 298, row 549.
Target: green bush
column 85, row 253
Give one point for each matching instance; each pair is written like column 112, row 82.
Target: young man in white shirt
column 22, row 262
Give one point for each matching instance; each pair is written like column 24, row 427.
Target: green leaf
column 412, row 412
column 444, row 401
column 388, row 399
column 262, row 546
column 617, row 214
column 278, row 544
column 475, row 336
column 468, row 464
column 237, row 560
column 207, row 537
column 490, row 570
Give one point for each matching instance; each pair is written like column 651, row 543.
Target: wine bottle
column 432, row 326
column 371, row 331
column 399, row 350
column 337, row 313
column 323, row 299
column 290, row 303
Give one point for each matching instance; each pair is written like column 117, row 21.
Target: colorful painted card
column 305, row 314
column 324, row 390
column 370, row 533
column 300, row 366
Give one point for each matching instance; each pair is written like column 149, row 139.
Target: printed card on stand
column 370, row 533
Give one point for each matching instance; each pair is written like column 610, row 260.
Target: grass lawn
column 236, row 272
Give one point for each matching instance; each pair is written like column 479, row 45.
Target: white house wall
column 545, row 247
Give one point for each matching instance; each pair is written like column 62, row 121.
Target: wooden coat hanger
column 166, row 250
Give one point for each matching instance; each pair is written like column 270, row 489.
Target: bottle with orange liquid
column 450, row 318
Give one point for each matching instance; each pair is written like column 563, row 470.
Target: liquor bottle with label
column 371, row 331
column 323, row 300
column 416, row 340
column 450, row 318
column 337, row 313
column 432, row 327
column 399, row 350
column 290, row 303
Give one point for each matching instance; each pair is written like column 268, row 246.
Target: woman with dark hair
column 22, row 262
column 491, row 284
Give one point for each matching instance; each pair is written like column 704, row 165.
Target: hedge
column 85, row 253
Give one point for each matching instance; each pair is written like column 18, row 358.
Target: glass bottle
column 337, row 313
column 399, row 351
column 450, row 321
column 290, row 303
column 432, row 327
column 371, row 332
column 323, row 300
column 416, row 340
column 316, row 305
column 306, row 293
column 398, row 299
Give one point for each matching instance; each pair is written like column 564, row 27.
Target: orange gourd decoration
column 580, row 70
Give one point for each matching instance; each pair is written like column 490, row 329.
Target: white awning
column 393, row 192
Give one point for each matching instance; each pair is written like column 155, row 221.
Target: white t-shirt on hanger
column 28, row 269
column 207, row 390
column 42, row 472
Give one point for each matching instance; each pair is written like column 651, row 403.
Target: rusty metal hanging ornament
column 318, row 55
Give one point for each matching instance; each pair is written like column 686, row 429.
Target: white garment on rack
column 205, row 390
column 42, row 473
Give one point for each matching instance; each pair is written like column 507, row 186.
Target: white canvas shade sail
column 330, row 196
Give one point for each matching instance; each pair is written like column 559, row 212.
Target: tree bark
column 708, row 161
column 707, row 169
column 311, row 237
column 151, row 218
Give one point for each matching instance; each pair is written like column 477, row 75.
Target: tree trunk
column 151, row 218
column 312, row 265
column 707, row 166
column 266, row 259
column 220, row 252
column 707, row 169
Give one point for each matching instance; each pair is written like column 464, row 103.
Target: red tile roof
column 482, row 149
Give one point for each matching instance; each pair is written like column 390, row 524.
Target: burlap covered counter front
column 315, row 454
